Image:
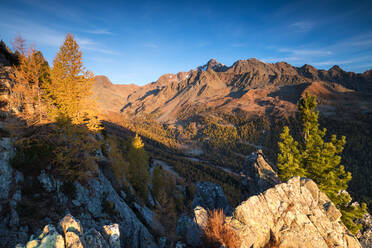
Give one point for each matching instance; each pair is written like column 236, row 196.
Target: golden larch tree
column 28, row 77
column 69, row 91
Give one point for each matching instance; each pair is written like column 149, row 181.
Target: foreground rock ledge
column 295, row 214
column 74, row 237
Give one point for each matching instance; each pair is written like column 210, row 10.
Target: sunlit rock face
column 296, row 214
column 73, row 236
column 291, row 214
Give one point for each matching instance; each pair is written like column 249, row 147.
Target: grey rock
column 163, row 242
column 258, row 174
column 180, row 244
column 94, row 239
column 46, row 181
column 61, row 198
column 193, row 235
column 14, row 218
column 210, row 196
column 91, row 198
column 182, row 224
column 19, row 178
column 6, row 153
column 365, row 236
column 189, row 230
column 133, row 232
column 76, row 203
column 17, row 196
column 123, row 195
column 150, row 199
column 146, row 213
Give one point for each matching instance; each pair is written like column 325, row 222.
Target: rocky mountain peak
column 336, row 68
column 103, row 80
column 214, row 65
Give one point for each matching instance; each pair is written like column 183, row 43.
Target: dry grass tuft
column 274, row 242
column 218, row 232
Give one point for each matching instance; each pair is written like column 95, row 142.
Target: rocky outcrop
column 207, row 196
column 258, row 175
column 295, row 214
column 190, row 228
column 49, row 238
column 292, row 214
column 6, row 152
column 74, row 236
column 95, row 203
column 365, row 236
column 99, row 204
column 210, row 196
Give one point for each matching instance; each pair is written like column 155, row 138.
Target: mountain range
column 253, row 86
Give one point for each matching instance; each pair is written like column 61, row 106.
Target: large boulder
column 49, row 238
column 73, row 232
column 258, row 174
column 296, row 214
column 74, row 236
column 210, row 196
column 189, row 230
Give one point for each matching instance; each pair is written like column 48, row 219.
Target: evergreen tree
column 138, row 167
column 69, row 91
column 157, row 180
column 289, row 158
column 318, row 160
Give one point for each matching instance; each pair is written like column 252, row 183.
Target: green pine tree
column 289, row 160
column 157, row 180
column 318, row 160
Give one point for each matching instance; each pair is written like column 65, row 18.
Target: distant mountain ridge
column 249, row 85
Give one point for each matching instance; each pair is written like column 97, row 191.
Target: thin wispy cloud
column 34, row 33
column 98, row 32
column 306, row 52
column 342, row 61
column 43, row 35
column 58, row 8
column 280, row 59
column 361, row 41
column 91, row 45
column 302, row 26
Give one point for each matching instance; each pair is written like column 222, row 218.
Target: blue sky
column 137, row 41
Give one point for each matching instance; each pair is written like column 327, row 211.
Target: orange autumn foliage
column 218, row 232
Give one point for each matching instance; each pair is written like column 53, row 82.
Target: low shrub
column 217, row 232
